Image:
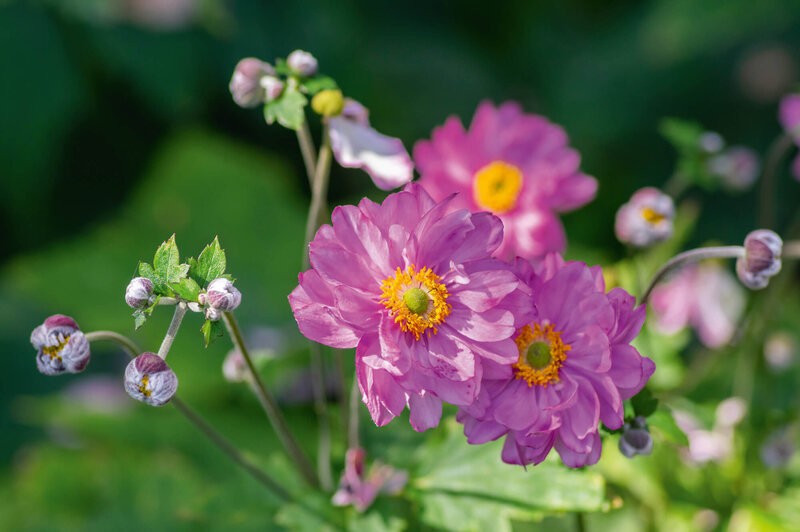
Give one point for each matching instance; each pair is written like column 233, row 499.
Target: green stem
column 580, row 522
column 687, row 257
column 175, row 324
column 675, row 186
column 218, row 439
column 766, row 190
column 307, row 149
column 319, row 192
column 352, row 430
column 270, row 405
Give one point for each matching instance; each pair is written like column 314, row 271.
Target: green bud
column 328, row 102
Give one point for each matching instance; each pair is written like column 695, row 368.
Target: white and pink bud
column 150, row 380
column 273, row 88
column 302, row 63
column 737, row 167
column 220, row 296
column 646, row 218
column 61, row 346
column 761, row 260
column 246, row 83
column 139, row 292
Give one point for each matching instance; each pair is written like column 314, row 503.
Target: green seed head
column 538, row 355
column 328, row 102
column 416, row 300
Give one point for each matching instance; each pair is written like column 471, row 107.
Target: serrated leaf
column 644, row 404
column 210, row 264
column 662, row 423
column 147, row 271
column 211, row 331
column 139, row 318
column 166, row 263
column 319, row 83
column 288, row 110
column 187, row 289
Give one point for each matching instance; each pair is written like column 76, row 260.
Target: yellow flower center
column 652, row 216
column 541, row 354
column 416, row 299
column 143, row 386
column 54, row 350
column 497, row 186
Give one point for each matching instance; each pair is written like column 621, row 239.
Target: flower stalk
column 175, row 324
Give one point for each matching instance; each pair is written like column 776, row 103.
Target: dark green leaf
column 319, row 83
column 288, row 110
column 211, row 331
column 186, row 289
column 210, row 264
column 644, row 404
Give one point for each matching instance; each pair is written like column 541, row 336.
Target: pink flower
column 357, row 145
column 705, row 297
column 789, row 116
column 61, row 346
column 359, row 488
column 412, row 287
column 515, row 165
column 646, row 218
column 575, row 367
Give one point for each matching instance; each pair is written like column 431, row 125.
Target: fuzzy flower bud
column 737, row 167
column 328, row 102
column 761, row 260
column 273, row 87
column 138, row 293
column 302, row 63
column 62, row 347
column 645, row 219
column 245, row 86
column 711, row 142
column 150, row 380
column 636, row 439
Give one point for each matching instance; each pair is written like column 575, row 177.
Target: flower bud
column 737, row 167
column 328, row 102
column 636, row 439
column 150, row 380
column 302, row 63
column 138, row 293
column 780, row 351
column 761, row 260
column 245, row 85
column 62, row 347
column 273, row 87
column 645, row 219
column 221, row 295
column 711, row 142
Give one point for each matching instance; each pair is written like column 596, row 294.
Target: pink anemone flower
column 515, row 165
column 575, row 367
column 412, row 286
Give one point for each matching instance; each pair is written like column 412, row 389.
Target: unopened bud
column 138, row 293
column 646, row 218
column 302, row 62
column 636, row 439
column 273, row 88
column 222, row 295
column 711, row 142
column 761, row 260
column 329, row 102
column 245, row 85
column 62, row 347
column 737, row 167
column 150, row 380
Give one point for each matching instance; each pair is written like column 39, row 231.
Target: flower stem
column 270, row 406
column 175, row 324
column 319, row 192
column 352, row 429
column 675, row 186
column 688, row 257
column 766, row 191
column 580, row 522
column 307, row 149
column 218, row 439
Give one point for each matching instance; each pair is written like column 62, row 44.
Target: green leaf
column 167, row 262
column 644, row 404
column 186, row 289
column 282, row 68
column 664, row 424
column 468, row 513
column 210, row 264
column 319, row 83
column 288, row 110
column 211, row 331
column 139, row 317
column 147, row 271
column 683, row 134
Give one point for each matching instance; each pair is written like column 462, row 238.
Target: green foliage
column 209, row 265
column 318, row 83
column 288, row 110
column 187, row 289
column 166, row 269
column 663, row 424
column 211, row 329
column 644, row 404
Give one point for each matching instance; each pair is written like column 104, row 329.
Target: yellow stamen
column 403, row 296
column 54, row 350
column 652, row 216
column 143, row 386
column 497, row 186
column 528, row 336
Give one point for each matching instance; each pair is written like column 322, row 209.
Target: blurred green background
column 118, row 130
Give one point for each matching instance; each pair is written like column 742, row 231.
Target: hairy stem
column 691, row 256
column 270, row 405
column 308, row 150
column 175, row 324
column 216, row 438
